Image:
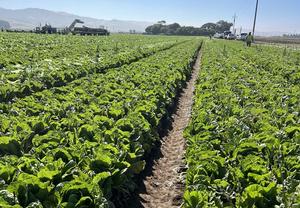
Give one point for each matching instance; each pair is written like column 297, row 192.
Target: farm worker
column 249, row 39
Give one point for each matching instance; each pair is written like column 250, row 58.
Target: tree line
column 291, row 35
column 4, row 25
column 161, row 28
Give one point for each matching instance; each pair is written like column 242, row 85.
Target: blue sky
column 274, row 15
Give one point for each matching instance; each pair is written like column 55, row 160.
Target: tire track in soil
column 164, row 187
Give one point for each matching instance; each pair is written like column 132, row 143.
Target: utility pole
column 234, row 19
column 254, row 24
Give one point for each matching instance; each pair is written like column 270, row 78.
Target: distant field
column 276, row 40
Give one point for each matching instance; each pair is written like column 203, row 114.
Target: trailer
column 89, row 31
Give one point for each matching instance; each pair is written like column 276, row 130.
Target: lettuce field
column 244, row 135
column 79, row 116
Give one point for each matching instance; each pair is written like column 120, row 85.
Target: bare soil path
column 164, row 187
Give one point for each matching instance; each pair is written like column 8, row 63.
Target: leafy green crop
column 244, row 139
column 82, row 144
column 32, row 63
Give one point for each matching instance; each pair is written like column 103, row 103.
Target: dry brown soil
column 164, row 187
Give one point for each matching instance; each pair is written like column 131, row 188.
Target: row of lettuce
column 31, row 63
column 244, row 135
column 81, row 145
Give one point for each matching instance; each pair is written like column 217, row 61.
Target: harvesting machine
column 48, row 29
column 85, row 30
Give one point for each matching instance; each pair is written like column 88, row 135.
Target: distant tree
column 4, row 24
column 223, row 26
column 183, row 31
column 188, row 31
column 171, row 29
column 149, row 29
column 175, row 29
column 291, row 35
column 209, row 26
column 174, row 26
column 154, row 29
column 162, row 22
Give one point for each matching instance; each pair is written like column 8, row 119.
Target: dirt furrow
column 165, row 186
